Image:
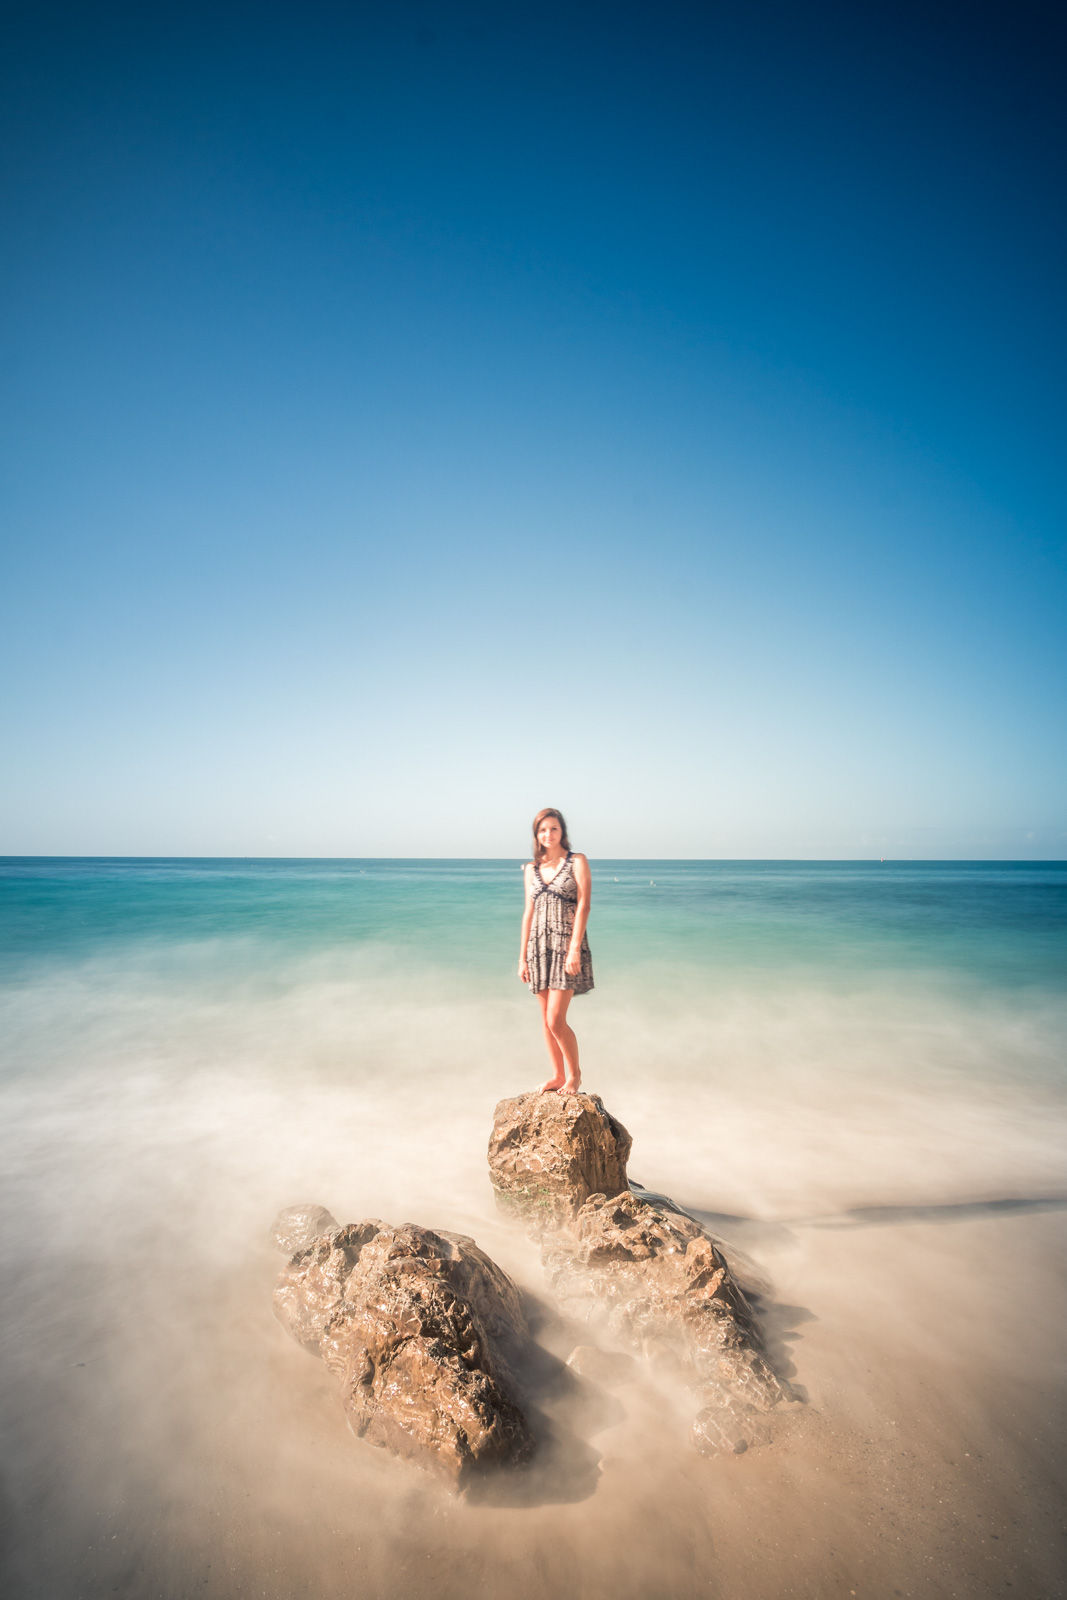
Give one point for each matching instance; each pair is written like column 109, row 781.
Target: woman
column 554, row 954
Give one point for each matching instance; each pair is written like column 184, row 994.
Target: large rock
column 653, row 1282
column 636, row 1269
column 548, row 1153
column 425, row 1334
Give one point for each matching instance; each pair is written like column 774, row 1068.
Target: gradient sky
column 417, row 414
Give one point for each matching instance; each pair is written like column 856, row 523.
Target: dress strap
column 548, row 888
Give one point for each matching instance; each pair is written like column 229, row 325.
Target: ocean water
column 854, row 1071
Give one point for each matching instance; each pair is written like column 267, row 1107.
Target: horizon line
column 1029, row 861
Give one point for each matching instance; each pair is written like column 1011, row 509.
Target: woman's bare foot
column 571, row 1085
column 553, row 1083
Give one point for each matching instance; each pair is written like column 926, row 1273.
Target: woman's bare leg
column 559, row 1065
column 564, row 1038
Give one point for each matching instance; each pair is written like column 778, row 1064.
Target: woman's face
column 549, row 834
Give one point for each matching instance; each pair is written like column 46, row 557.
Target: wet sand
column 163, row 1436
column 895, row 1174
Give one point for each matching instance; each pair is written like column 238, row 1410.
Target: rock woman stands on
column 554, row 954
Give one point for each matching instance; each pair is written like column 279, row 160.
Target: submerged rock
column 298, row 1226
column 548, row 1153
column 424, row 1333
column 639, row 1272
column 720, row 1430
column 656, row 1284
column 609, row 1367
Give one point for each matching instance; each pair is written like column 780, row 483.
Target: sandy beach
column 503, row 507
column 168, row 1439
column 881, row 1146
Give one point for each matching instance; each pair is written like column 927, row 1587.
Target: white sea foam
column 785, row 1102
column 161, row 1106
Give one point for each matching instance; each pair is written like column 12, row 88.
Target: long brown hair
column 549, row 811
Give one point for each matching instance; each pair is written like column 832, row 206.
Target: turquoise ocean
column 830, row 1062
column 904, row 1019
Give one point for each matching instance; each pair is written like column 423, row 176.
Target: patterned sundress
column 555, row 904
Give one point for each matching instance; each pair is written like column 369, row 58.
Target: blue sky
column 415, row 415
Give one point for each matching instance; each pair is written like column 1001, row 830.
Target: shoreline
column 927, row 1461
column 884, row 1144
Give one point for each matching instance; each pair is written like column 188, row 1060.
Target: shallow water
column 856, row 1072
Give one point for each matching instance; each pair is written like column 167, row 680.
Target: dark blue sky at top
column 388, row 378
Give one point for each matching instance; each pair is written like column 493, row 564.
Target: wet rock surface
column 424, row 1333
column 720, row 1430
column 548, row 1153
column 641, row 1274
column 655, row 1284
column 298, row 1226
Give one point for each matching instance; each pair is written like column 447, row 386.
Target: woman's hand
column 573, row 964
column 524, row 971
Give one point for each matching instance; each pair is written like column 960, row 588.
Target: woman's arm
column 584, row 884
column 527, row 918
